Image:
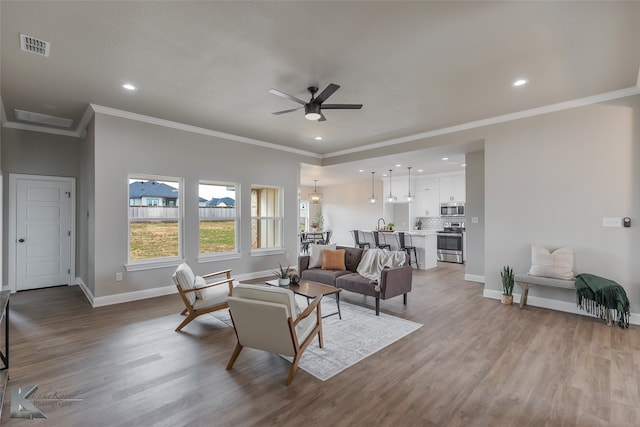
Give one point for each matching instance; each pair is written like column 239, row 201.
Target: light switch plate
column 612, row 221
column 474, row 220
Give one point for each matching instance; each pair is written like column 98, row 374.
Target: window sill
column 150, row 265
column 204, row 258
column 265, row 252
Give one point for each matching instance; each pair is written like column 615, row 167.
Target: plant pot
column 507, row 299
column 284, row 282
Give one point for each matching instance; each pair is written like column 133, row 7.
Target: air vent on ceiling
column 34, row 45
column 42, row 119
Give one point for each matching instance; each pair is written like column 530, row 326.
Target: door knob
column 21, row 240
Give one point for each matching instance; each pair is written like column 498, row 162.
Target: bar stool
column 356, row 239
column 378, row 244
column 407, row 248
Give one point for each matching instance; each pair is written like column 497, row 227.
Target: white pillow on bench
column 547, row 263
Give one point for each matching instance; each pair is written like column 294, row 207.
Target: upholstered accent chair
column 268, row 318
column 200, row 297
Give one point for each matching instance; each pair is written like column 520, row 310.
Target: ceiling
column 417, row 67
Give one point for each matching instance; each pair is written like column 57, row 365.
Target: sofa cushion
column 323, row 276
column 356, row 283
column 333, row 260
column 315, row 253
column 352, row 257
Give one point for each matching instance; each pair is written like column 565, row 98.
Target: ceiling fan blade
column 286, row 111
column 322, row 117
column 326, row 93
column 341, row 106
column 287, row 96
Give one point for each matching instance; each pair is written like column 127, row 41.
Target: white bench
column 526, row 280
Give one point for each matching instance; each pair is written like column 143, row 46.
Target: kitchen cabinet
column 452, row 188
column 427, row 201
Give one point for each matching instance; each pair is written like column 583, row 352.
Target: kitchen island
column 425, row 242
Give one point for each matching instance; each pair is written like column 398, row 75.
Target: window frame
column 236, row 253
column 276, row 249
column 151, row 263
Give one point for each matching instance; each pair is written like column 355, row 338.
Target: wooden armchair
column 200, row 297
column 268, row 318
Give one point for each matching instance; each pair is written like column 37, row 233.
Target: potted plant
column 283, row 275
column 390, row 226
column 418, row 224
column 507, row 285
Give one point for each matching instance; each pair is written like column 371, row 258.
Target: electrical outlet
column 119, row 276
column 612, row 221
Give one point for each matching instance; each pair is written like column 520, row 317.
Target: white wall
column 346, row 207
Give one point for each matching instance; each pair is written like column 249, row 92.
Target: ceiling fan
column 313, row 108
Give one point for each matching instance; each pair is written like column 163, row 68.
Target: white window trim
column 151, row 263
column 214, row 256
column 276, row 249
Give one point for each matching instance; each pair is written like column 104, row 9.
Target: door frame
column 12, row 238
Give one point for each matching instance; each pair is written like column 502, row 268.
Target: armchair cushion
column 269, row 294
column 211, row 296
column 186, row 279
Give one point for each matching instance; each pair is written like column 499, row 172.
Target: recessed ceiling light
column 520, row 82
column 398, row 165
column 318, row 138
column 445, row 158
column 420, row 170
column 464, row 165
column 361, row 170
column 129, row 86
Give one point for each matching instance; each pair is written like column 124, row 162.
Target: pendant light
column 315, row 197
column 372, row 199
column 410, row 196
column 390, row 198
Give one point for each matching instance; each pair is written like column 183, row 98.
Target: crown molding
column 580, row 102
column 195, row 129
column 94, row 108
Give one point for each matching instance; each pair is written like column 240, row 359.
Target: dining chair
column 383, row 245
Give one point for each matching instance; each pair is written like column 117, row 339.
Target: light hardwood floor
column 474, row 363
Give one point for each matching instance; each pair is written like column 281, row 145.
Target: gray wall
column 125, row 146
column 36, row 153
column 551, row 179
column 474, row 268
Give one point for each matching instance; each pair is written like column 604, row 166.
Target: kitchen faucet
column 383, row 223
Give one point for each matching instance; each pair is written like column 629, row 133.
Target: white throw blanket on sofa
column 375, row 260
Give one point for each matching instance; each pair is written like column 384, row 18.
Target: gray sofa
column 393, row 281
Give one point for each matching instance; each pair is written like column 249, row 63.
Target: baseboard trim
column 474, row 278
column 150, row 293
column 552, row 304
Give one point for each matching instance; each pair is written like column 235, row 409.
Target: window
column 266, row 219
column 219, row 218
column 154, row 218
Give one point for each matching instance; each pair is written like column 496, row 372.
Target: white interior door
column 43, row 233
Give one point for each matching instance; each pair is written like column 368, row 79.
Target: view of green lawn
column 160, row 239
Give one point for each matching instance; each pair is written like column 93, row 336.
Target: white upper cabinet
column 452, row 189
column 427, row 201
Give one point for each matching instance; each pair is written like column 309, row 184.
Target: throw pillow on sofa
column 315, row 254
column 557, row 264
column 333, row 260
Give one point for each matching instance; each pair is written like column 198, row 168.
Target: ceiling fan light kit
column 313, row 108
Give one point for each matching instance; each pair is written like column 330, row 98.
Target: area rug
column 358, row 335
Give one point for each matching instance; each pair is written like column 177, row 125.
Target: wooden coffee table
column 310, row 289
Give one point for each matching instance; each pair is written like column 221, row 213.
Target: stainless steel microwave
column 452, row 209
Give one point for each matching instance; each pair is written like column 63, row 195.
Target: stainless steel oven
column 451, row 243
